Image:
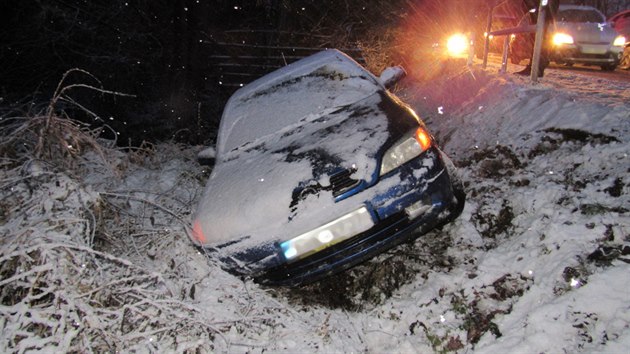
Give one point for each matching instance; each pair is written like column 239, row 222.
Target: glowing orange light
column 457, row 45
column 423, row 138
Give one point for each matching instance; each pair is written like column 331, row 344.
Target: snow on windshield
column 327, row 80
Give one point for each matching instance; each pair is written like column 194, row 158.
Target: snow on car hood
column 249, row 194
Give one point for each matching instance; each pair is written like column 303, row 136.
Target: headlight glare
column 457, row 45
column 620, row 41
column 562, row 38
column 410, row 146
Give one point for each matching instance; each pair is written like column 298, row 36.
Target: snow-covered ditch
column 95, row 254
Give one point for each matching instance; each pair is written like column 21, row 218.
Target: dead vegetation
column 58, row 291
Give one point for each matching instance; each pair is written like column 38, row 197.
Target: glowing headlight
column 410, row 146
column 457, row 45
column 562, row 38
column 620, row 41
column 327, row 235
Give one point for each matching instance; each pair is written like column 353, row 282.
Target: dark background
column 168, row 54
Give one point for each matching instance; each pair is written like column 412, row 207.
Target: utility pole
column 538, row 42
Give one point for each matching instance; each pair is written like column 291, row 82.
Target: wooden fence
column 242, row 56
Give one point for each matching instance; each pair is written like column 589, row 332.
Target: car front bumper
column 401, row 215
column 422, row 200
column 439, row 204
column 593, row 54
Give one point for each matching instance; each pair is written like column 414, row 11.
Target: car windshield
column 575, row 16
column 303, row 93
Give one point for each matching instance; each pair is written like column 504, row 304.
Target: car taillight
column 197, row 233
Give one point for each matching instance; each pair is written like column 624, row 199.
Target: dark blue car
column 318, row 168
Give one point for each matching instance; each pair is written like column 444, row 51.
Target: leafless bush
column 58, row 292
column 50, row 134
column 378, row 50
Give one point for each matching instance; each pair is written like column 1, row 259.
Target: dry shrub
column 378, row 49
column 50, row 134
column 58, row 293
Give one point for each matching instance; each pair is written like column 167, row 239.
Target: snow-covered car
column 318, row 168
column 581, row 35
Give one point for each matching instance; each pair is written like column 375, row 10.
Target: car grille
column 342, row 182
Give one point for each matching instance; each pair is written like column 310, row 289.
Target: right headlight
column 620, row 41
column 411, row 145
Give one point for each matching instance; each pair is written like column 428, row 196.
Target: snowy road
column 594, row 71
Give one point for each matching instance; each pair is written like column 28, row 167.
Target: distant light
column 457, row 45
column 440, row 110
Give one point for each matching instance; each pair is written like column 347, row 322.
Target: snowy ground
column 95, row 256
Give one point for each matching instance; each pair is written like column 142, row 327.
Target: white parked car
column 581, row 35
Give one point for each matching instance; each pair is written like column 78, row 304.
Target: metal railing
column 538, row 28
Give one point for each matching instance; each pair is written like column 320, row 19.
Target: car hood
column 256, row 194
column 591, row 33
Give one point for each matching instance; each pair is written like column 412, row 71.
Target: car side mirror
column 207, row 156
column 390, row 76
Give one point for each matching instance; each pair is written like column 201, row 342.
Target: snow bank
column 98, row 259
